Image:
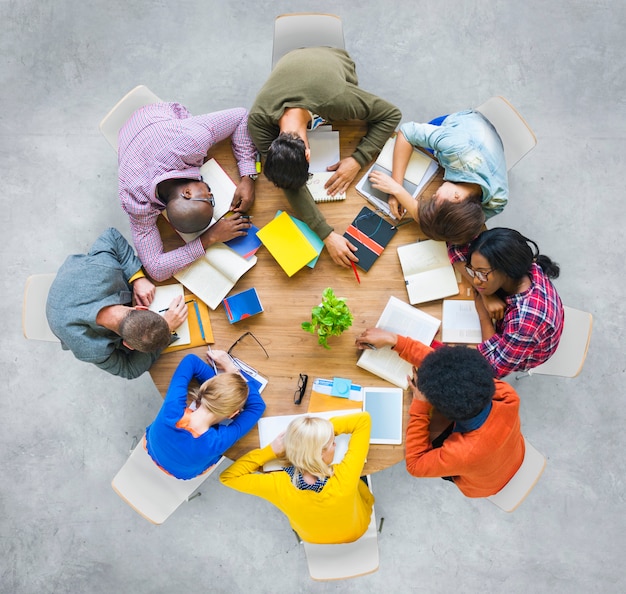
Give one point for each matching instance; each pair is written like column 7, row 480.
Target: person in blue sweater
column 185, row 441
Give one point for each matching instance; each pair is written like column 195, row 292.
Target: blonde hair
column 223, row 394
column 305, row 441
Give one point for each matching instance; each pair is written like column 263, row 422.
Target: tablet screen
column 385, row 407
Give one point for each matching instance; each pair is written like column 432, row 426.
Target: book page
column 403, row 319
column 419, row 164
column 212, row 277
column 460, row 322
column 270, row 427
column 163, row 296
column 324, row 145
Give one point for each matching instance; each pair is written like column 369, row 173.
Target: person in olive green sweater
column 324, row 503
column 309, row 86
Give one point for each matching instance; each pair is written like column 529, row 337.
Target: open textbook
column 406, row 320
column 211, row 277
column 427, row 271
column 420, row 170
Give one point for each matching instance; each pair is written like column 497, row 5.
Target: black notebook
column 371, row 234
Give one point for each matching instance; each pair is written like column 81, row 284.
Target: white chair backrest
column 34, row 320
column 515, row 491
column 112, row 123
column 150, row 491
column 305, row 29
column 341, row 561
column 516, row 135
column 570, row 355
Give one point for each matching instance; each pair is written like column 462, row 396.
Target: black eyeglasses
column 232, row 346
column 210, row 199
column 481, row 275
column 301, row 389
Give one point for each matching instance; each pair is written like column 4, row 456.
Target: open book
column 406, row 320
column 271, row 427
column 420, row 170
column 211, row 277
column 460, row 322
column 427, row 271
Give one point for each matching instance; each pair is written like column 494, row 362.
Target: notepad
column 287, row 243
column 460, row 322
column 324, row 147
column 385, row 406
column 316, row 184
column 406, row 320
column 271, row 427
column 420, row 170
column 427, row 271
column 242, row 305
column 370, row 233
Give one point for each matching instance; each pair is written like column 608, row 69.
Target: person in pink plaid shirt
column 512, row 283
column 161, row 150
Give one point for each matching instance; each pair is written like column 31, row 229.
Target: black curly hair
column 457, row 381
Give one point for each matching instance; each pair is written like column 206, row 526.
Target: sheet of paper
column 460, row 322
column 324, row 147
column 163, row 296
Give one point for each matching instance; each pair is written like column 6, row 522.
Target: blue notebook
column 242, row 305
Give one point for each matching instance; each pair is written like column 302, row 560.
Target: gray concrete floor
column 68, row 426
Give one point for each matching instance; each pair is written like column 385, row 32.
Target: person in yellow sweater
column 324, row 503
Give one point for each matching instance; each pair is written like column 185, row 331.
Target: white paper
column 460, row 322
column 163, row 296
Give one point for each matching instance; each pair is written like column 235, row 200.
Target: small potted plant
column 330, row 318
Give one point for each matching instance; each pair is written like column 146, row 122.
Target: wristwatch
column 253, row 176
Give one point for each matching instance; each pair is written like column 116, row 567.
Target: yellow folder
column 289, row 246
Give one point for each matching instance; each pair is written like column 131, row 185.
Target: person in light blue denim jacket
column 475, row 184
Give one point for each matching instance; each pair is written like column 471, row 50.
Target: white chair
column 112, row 123
column 150, row 491
column 515, row 491
column 34, row 321
column 305, row 29
column 341, row 561
column 570, row 355
column 516, row 135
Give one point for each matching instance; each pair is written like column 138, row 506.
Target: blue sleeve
column 191, row 367
column 113, row 243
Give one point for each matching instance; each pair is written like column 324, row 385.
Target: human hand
column 340, row 249
column 176, row 313
column 396, row 209
column 222, row 360
column 226, row 228
column 345, row 172
column 494, row 306
column 244, row 195
column 413, row 386
column 377, row 338
column 384, row 183
column 278, row 445
column 143, row 291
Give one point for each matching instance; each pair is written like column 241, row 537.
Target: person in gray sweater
column 309, row 86
column 97, row 307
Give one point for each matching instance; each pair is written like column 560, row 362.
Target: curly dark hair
column 457, row 381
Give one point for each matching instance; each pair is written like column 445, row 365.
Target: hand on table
column 345, row 172
column 225, row 229
column 340, row 249
column 413, row 387
column 177, row 313
column 385, row 183
column 494, row 306
column 376, row 337
column 244, row 195
column 222, row 360
column 143, row 291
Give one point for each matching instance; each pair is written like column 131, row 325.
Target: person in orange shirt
column 483, row 447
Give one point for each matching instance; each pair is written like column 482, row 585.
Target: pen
column 403, row 223
column 355, row 272
column 258, row 163
column 212, row 362
column 167, row 308
column 369, row 345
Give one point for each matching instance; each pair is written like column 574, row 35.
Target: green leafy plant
column 330, row 318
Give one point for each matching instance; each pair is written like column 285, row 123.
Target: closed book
column 370, row 233
column 242, row 305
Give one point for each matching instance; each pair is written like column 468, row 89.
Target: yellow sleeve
column 139, row 274
column 359, row 426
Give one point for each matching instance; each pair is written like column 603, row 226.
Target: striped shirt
column 164, row 141
column 301, row 484
column 531, row 328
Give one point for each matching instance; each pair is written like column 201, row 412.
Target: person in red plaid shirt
column 512, row 283
column 161, row 149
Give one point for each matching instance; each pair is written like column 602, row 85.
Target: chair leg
column 297, row 536
column 523, row 374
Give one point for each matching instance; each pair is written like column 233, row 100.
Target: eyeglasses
column 481, row 275
column 232, row 346
column 301, row 389
column 210, row 199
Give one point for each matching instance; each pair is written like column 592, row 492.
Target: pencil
column 355, row 272
column 195, row 304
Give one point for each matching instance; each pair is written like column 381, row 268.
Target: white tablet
column 385, row 406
